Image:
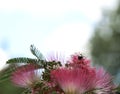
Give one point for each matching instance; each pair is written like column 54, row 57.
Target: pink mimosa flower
column 79, row 77
column 57, row 57
column 78, row 61
column 81, row 80
column 104, row 82
column 74, row 81
column 26, row 76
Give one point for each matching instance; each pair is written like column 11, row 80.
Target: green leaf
column 4, row 77
column 6, row 73
column 22, row 60
column 36, row 52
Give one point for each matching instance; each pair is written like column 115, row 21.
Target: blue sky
column 51, row 25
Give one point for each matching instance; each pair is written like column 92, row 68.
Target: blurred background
column 91, row 27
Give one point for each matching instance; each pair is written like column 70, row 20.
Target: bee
column 80, row 57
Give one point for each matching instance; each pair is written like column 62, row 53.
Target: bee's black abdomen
column 80, row 57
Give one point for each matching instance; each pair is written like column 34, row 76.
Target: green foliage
column 22, row 60
column 36, row 52
column 105, row 43
column 38, row 60
column 5, row 73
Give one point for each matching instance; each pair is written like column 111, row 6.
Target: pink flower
column 74, row 81
column 79, row 77
column 78, row 61
column 81, row 80
column 57, row 57
column 26, row 76
column 104, row 82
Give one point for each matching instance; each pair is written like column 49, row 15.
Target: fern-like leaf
column 22, row 60
column 36, row 52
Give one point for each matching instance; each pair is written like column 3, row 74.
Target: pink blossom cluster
column 76, row 77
